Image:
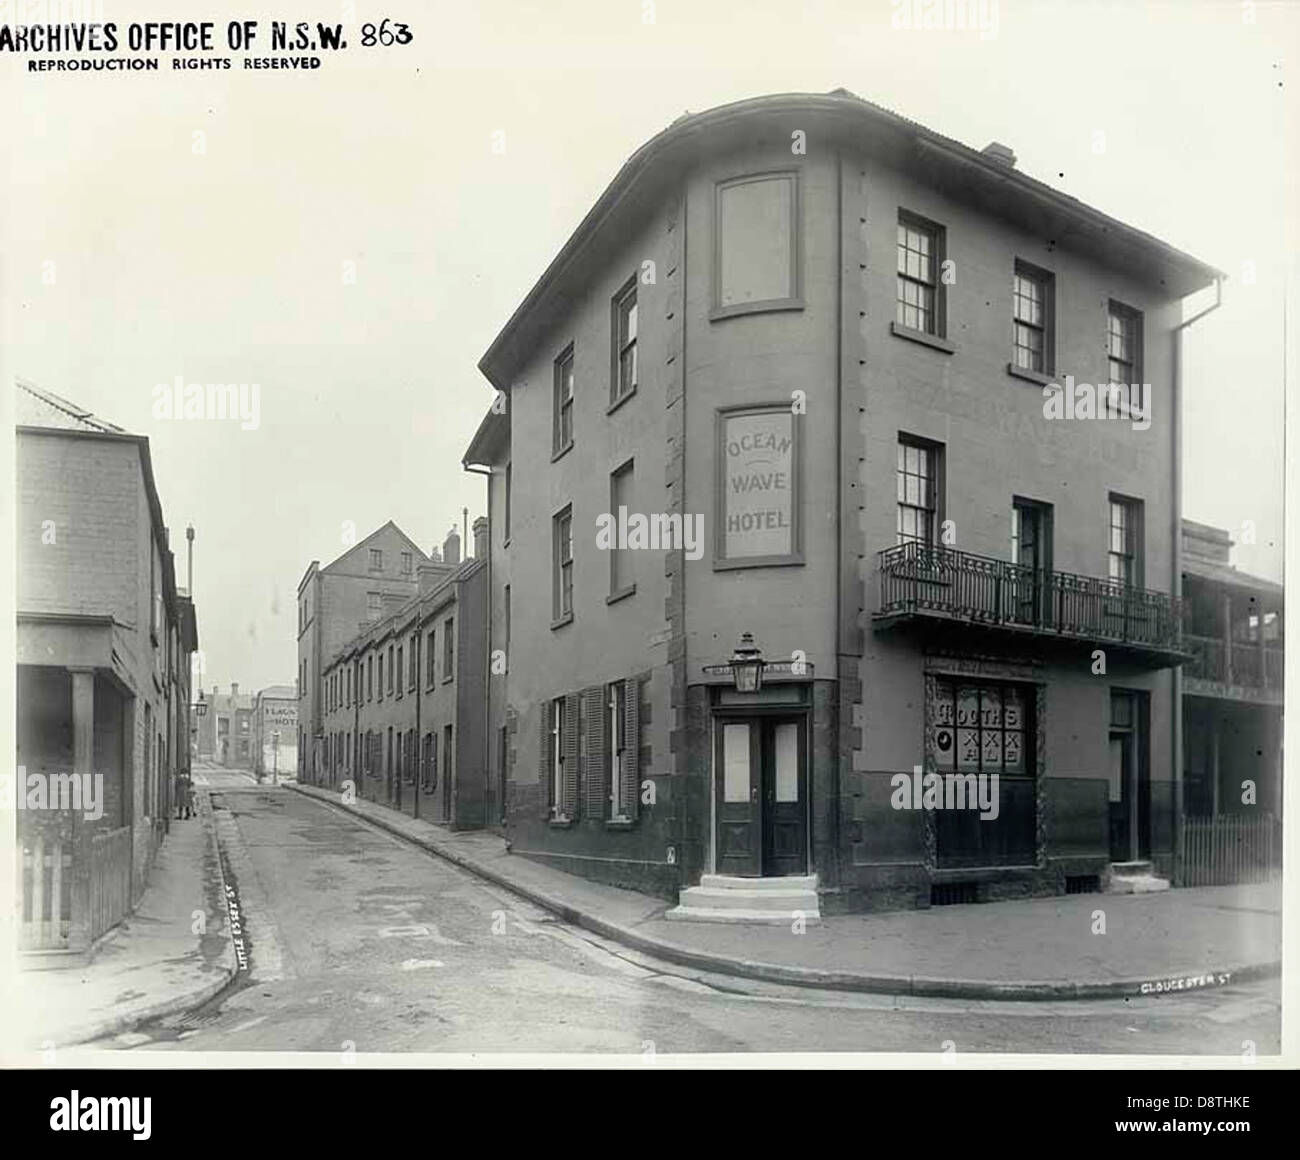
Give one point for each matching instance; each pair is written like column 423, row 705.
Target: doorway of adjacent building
column 761, row 779
column 1129, row 787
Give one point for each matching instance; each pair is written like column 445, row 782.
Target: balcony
column 919, row 583
column 1244, row 672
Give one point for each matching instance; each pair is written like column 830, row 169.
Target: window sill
column 724, row 564
column 619, row 823
column 562, row 452
column 931, row 340
column 623, row 398
column 559, row 822
column 561, row 621
column 448, row 680
column 1032, row 376
column 621, row 594
column 767, row 306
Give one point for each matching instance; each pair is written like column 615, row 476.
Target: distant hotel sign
column 284, row 713
column 758, row 458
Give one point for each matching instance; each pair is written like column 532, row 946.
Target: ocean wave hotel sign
column 758, row 453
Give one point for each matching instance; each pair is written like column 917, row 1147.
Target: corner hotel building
column 827, row 330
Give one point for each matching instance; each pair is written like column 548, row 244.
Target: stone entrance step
column 723, row 898
column 1135, row 878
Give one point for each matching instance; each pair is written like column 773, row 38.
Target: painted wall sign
column 759, row 483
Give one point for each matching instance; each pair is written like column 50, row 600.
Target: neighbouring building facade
column 226, row 728
column 275, row 732
column 403, row 700
column 826, row 368
column 104, row 643
column 1232, row 686
column 334, row 603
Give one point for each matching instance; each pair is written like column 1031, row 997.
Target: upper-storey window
column 1124, row 356
column 407, row 563
column 624, row 378
column 562, row 564
column 920, row 290
column 756, row 244
column 918, row 490
column 376, row 559
column 1033, row 316
column 1124, row 554
column 505, row 533
column 562, row 427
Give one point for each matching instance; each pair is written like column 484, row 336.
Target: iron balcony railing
column 916, row 578
column 1251, row 667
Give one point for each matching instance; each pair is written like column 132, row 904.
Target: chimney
column 451, row 547
column 435, row 555
column 1002, row 154
column 234, row 689
column 481, row 538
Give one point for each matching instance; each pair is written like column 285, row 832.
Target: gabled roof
column 842, row 119
column 35, row 407
column 414, row 607
column 420, row 554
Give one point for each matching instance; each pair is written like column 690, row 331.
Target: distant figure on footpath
column 184, row 796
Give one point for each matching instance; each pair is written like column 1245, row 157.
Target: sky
column 352, row 238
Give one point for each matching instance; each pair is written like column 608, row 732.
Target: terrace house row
column 402, row 700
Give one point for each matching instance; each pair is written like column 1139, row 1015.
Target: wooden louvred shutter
column 629, row 791
column 544, row 759
column 571, row 757
column 595, row 763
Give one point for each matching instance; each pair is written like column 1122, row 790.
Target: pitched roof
column 421, row 554
column 35, row 407
column 965, row 173
column 1229, row 576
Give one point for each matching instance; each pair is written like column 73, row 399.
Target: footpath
column 1047, row 948
column 173, row 953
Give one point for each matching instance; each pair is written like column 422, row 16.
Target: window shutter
column 571, row 769
column 544, row 759
column 629, row 792
column 594, row 768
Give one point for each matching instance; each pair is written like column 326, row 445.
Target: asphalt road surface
column 363, row 943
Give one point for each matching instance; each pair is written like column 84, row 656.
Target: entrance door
column 1031, row 548
column 1122, row 797
column 761, row 792
column 1130, row 784
column 785, row 827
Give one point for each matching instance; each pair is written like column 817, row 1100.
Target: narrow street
column 358, row 941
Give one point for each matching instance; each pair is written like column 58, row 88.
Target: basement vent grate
column 954, row 893
column 1082, row 884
